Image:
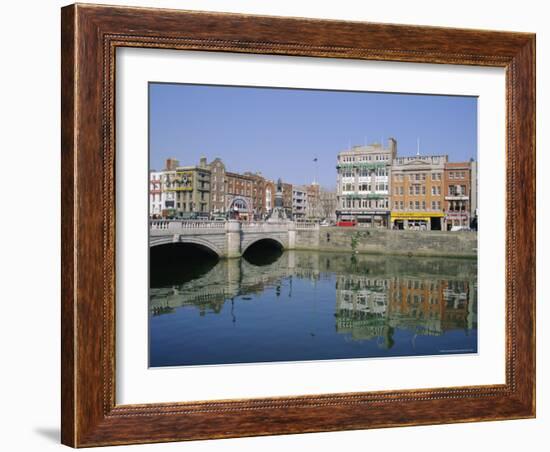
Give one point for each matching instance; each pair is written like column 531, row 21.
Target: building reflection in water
column 374, row 295
column 369, row 308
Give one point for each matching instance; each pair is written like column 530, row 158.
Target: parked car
column 460, row 228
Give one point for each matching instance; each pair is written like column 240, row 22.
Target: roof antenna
column 418, row 147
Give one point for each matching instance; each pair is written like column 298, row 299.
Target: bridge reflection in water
column 272, row 305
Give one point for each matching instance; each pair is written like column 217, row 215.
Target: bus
column 347, row 223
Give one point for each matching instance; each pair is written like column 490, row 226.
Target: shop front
column 240, row 208
column 420, row 221
column 374, row 219
column 457, row 219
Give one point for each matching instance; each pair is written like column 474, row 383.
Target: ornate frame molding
column 90, row 37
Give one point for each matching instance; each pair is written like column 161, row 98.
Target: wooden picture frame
column 90, row 36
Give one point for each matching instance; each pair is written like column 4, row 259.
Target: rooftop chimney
column 171, row 164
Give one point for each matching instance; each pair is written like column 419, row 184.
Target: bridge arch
column 268, row 238
column 167, row 240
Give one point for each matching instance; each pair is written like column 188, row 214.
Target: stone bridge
column 225, row 238
column 232, row 238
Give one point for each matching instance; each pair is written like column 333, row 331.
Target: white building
column 363, row 184
column 299, row 202
column 155, row 194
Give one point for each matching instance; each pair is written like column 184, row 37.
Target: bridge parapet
column 159, row 224
column 307, row 225
column 267, row 227
column 173, row 225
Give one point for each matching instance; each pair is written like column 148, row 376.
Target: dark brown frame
column 90, row 34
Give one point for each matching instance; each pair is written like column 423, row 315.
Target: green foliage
column 355, row 242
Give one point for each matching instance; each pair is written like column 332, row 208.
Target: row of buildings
column 377, row 188
column 374, row 187
column 209, row 190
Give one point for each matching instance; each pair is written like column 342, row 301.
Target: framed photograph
column 281, row 225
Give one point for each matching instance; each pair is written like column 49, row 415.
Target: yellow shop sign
column 415, row 215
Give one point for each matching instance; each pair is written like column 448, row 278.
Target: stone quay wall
column 384, row 241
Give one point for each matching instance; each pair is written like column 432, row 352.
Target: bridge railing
column 186, row 224
column 307, row 225
column 159, row 224
column 252, row 226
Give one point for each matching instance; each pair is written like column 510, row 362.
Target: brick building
column 313, row 210
column 258, row 195
column 457, row 186
column 287, row 199
column 239, row 196
column 417, row 192
column 217, row 192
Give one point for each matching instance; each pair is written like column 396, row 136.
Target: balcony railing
column 362, row 165
column 357, row 195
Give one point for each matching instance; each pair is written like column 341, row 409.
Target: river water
column 274, row 306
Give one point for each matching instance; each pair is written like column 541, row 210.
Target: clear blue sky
column 280, row 131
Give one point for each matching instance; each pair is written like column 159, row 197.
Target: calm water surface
column 297, row 305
